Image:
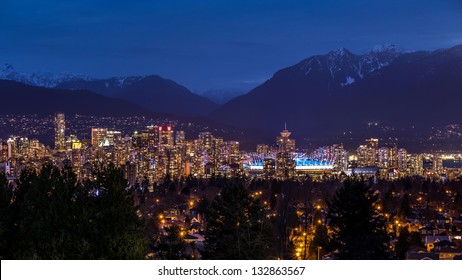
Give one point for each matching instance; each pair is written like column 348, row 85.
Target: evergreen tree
column 118, row 233
column 237, row 227
column 46, row 218
column 283, row 225
column 170, row 246
column 51, row 215
column 320, row 242
column 405, row 207
column 203, row 205
column 358, row 229
column 403, row 244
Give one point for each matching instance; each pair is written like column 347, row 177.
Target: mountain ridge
column 316, row 97
column 149, row 91
column 328, row 95
column 27, row 99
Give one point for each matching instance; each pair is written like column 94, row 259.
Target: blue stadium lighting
column 301, row 163
column 311, row 164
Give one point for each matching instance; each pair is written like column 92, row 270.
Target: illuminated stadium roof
column 302, row 163
column 311, row 164
column 254, row 164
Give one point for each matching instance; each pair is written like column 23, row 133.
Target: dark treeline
column 52, row 215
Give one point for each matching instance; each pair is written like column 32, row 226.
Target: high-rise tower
column 372, row 150
column 60, row 127
column 166, row 139
column 284, row 143
column 285, row 165
column 97, row 136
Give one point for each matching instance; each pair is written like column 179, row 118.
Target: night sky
column 211, row 44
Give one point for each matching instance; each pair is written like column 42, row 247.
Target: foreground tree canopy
column 358, row 230
column 237, row 227
column 51, row 215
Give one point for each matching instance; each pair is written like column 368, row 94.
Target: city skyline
column 167, row 179
column 231, row 130
column 159, row 150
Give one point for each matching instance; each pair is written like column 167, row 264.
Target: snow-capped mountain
column 345, row 67
column 106, row 86
column 326, row 94
column 64, row 80
column 151, row 92
column 40, row 79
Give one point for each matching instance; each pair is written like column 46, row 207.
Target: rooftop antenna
column 285, row 126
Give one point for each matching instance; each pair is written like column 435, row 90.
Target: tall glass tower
column 60, row 127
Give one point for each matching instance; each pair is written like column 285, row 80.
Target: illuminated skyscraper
column 372, row 147
column 340, row 160
column 153, row 135
column 97, row 136
column 12, row 147
column 166, row 137
column 180, row 144
column 394, row 157
column 206, row 139
column 174, row 166
column 262, row 149
column 415, row 164
column 217, row 152
column 368, row 155
column 285, row 165
column 402, row 160
column 180, row 138
column 60, row 127
column 361, row 155
column 73, row 143
column 231, row 150
column 383, row 157
column 114, row 137
column 140, row 139
column 129, row 171
column 269, row 167
column 284, row 143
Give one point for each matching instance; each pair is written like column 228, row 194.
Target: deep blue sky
column 205, row 44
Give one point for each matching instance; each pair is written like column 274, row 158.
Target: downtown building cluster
column 158, row 151
column 284, row 161
column 150, row 154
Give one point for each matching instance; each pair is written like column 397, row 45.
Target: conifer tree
column 358, row 229
column 237, row 227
